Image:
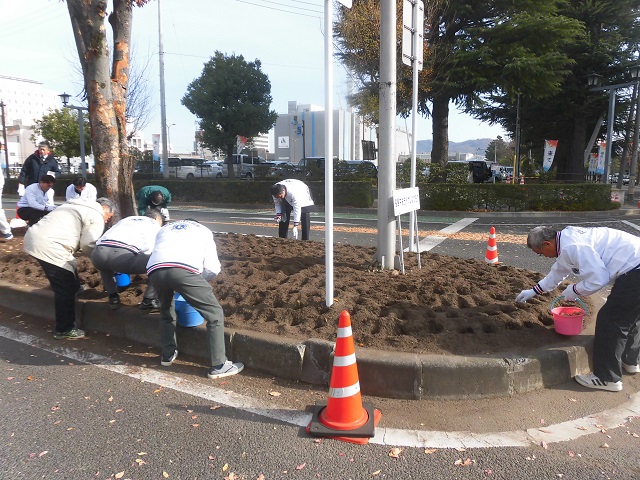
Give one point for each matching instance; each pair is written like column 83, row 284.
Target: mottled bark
column 106, row 89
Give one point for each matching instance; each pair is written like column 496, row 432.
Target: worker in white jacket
column 598, row 257
column 81, row 189
column 37, row 200
column 126, row 248
column 184, row 259
column 292, row 197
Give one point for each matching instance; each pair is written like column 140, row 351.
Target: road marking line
column 432, row 241
column 633, row 225
column 561, row 432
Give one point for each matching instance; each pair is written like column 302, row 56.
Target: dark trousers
column 305, row 220
column 617, row 337
column 31, row 215
column 65, row 285
column 109, row 260
column 198, row 293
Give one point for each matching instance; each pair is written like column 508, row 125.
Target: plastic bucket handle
column 582, row 304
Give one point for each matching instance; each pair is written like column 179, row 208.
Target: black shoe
column 167, row 361
column 114, row 301
column 150, row 305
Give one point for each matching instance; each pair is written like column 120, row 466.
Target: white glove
column 165, row 214
column 277, row 218
column 295, row 233
column 525, row 295
column 20, row 189
column 569, row 294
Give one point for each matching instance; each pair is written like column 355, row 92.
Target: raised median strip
column 382, row 373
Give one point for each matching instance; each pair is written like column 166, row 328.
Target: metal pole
column 413, row 247
column 517, row 175
column 385, row 254
column 610, row 120
column 4, row 138
column 83, row 166
column 328, row 149
column 163, row 107
column 634, row 154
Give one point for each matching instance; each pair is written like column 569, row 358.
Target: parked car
column 279, row 168
column 214, row 168
column 361, row 168
column 187, row 168
column 243, row 166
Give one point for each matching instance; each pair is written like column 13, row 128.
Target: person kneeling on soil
column 54, row 241
column 292, row 196
column 184, row 259
column 597, row 256
column 126, row 248
column 37, row 200
column 153, row 197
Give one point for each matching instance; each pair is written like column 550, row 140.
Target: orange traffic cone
column 521, row 180
column 492, row 248
column 343, row 416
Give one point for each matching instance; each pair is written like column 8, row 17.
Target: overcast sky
column 37, row 43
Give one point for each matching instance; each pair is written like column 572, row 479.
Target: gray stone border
column 382, row 373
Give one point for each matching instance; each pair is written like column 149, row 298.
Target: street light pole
column 65, row 100
column 169, row 137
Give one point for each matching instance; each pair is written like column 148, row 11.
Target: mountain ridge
column 478, row 145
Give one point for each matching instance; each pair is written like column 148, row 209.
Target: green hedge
column 345, row 194
column 500, row 196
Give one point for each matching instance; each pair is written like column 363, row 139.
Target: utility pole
column 4, row 137
column 163, row 107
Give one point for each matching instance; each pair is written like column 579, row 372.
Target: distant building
column 25, row 102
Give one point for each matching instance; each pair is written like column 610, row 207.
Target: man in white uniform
column 5, row 228
column 184, row 259
column 598, row 257
column 37, row 200
column 292, row 196
column 81, row 189
column 126, row 248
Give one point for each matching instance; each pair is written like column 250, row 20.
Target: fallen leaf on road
column 29, row 377
column 214, row 408
column 377, row 472
column 395, row 452
column 430, row 450
column 157, row 390
column 120, row 410
column 195, row 425
column 142, row 453
column 460, row 449
column 544, row 445
column 582, row 428
column 165, row 474
column 140, row 461
column 604, row 445
column 301, row 466
column 225, row 467
column 463, row 463
column 488, row 471
column 43, row 453
column 110, row 399
column 120, row 474
column 260, row 477
column 193, row 417
column 275, row 394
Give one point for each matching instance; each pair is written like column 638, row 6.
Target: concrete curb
column 382, row 373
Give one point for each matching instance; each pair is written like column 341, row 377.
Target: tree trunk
column 229, row 161
column 440, row 126
column 575, row 165
column 120, row 21
column 106, row 93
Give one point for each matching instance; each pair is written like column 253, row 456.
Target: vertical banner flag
column 240, row 142
column 155, row 139
column 600, row 165
column 549, row 153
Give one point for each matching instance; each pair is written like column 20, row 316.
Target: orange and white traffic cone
column 492, row 248
column 521, row 180
column 344, row 416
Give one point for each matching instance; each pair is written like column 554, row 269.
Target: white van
column 243, row 166
column 188, row 168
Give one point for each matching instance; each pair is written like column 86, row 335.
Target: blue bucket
column 123, row 279
column 187, row 315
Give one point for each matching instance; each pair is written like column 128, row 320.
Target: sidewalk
column 382, row 373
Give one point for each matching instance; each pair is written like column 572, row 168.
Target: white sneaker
column 226, row 370
column 631, row 368
column 591, row 381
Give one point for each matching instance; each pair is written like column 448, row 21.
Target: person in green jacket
column 153, row 196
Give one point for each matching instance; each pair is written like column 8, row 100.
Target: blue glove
column 570, row 294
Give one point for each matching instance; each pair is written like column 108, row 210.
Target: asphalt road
column 99, row 408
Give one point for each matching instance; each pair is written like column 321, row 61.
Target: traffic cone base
column 359, row 435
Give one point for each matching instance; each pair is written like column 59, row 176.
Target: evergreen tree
column 231, row 98
column 60, row 128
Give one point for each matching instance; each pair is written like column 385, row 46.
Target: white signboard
column 409, row 30
column 406, row 200
column 283, row 142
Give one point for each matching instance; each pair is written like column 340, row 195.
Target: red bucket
column 568, row 320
